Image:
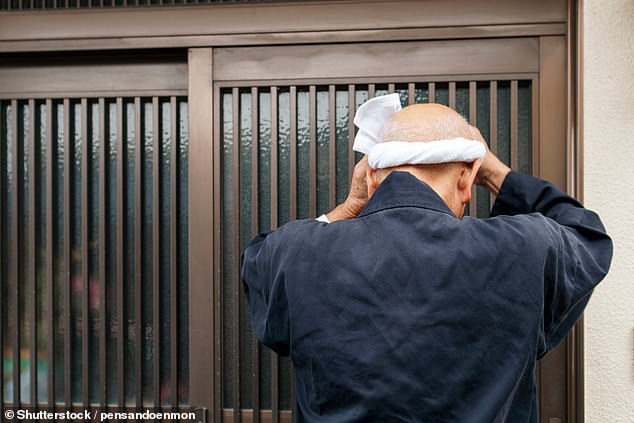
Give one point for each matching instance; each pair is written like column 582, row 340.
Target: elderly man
column 396, row 308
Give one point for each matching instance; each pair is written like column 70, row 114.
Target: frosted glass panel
column 73, row 312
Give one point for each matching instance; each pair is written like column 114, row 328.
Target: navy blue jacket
column 409, row 314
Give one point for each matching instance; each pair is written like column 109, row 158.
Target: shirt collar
column 402, row 189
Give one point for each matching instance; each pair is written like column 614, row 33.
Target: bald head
column 426, row 122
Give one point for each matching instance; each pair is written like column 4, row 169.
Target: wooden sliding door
column 282, row 142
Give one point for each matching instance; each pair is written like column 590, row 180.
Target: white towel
column 371, row 119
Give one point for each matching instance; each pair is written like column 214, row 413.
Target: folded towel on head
column 371, row 119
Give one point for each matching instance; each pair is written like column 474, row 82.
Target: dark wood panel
column 265, row 18
column 369, row 60
column 92, row 79
column 303, row 37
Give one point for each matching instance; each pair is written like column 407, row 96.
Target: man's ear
column 371, row 180
column 467, row 177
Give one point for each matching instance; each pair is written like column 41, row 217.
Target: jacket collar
column 402, row 189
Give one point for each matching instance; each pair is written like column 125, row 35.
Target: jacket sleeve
column 265, row 291
column 578, row 251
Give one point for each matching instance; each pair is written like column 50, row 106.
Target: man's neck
column 441, row 184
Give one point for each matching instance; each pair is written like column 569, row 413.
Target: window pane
column 63, row 309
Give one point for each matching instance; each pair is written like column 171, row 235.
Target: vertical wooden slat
column 84, row 253
column 535, row 127
column 553, row 107
column 493, row 123
column 431, row 92
column 50, row 351
column 203, row 256
column 473, row 206
column 157, row 141
column 514, row 118
column 292, row 382
column 217, row 255
column 14, row 269
column 493, row 116
column 312, row 203
column 138, row 338
column 32, row 259
column 174, row 143
column 552, row 152
column 3, row 208
column 293, row 152
column 235, row 322
column 312, row 119
column 391, row 88
column 574, row 69
column 452, row 95
column 67, row 269
column 255, row 227
column 102, row 251
column 120, row 255
column 411, row 93
column 371, row 90
column 255, row 149
column 274, row 157
column 473, row 104
column 351, row 113
column 275, row 392
column 332, row 147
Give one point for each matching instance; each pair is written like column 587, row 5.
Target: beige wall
column 608, row 177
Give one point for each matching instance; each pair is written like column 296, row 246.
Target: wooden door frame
column 201, row 28
column 550, row 90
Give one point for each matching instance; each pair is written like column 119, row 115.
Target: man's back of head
column 427, row 123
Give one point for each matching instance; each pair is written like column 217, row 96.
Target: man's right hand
column 492, row 171
column 357, row 197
